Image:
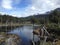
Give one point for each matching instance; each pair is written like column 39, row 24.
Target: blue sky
column 23, row 8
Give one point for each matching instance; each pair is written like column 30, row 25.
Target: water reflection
column 25, row 32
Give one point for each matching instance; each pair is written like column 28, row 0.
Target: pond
column 25, row 32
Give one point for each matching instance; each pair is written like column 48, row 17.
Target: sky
column 23, row 8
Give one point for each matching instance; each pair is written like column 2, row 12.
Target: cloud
column 41, row 6
column 2, row 13
column 33, row 6
column 7, row 4
column 17, row 1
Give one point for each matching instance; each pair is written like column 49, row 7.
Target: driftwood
column 37, row 32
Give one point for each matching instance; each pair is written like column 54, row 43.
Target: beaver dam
column 47, row 37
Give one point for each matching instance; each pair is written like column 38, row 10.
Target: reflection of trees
column 33, row 21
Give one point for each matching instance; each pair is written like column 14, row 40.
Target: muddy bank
column 9, row 39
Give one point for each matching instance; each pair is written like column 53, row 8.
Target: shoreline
column 6, row 28
column 6, row 38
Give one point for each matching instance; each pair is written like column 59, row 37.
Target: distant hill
column 49, row 17
column 52, row 16
column 47, row 14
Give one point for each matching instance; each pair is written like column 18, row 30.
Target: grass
column 46, row 43
column 58, row 42
column 50, row 43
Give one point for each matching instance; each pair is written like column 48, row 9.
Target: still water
column 25, row 32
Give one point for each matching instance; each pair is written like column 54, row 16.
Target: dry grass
column 58, row 42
